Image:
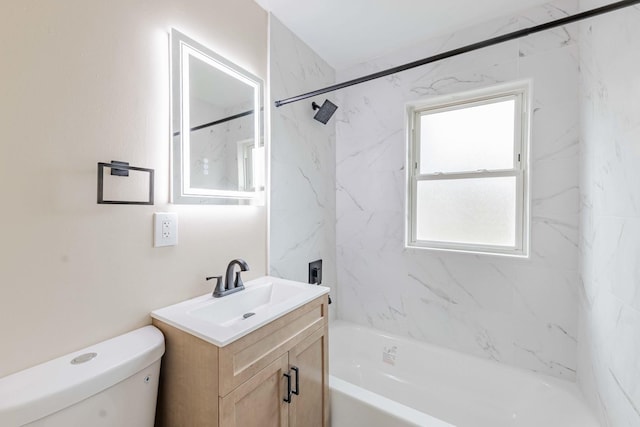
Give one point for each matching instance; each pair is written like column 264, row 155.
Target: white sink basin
column 223, row 320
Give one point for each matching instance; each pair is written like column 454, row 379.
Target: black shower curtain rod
column 465, row 49
column 217, row 122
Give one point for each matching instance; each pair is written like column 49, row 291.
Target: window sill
column 505, row 253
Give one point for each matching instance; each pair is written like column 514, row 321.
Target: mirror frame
column 182, row 47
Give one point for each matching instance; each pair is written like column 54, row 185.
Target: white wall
column 518, row 311
column 302, row 162
column 83, row 82
column 609, row 339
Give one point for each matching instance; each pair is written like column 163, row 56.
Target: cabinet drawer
column 245, row 357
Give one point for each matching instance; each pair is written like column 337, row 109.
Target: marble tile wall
column 302, row 163
column 521, row 312
column 609, row 325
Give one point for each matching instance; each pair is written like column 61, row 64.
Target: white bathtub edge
column 408, row 415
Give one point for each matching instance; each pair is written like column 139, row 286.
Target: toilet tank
column 110, row 384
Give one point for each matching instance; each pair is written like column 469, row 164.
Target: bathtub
column 381, row 380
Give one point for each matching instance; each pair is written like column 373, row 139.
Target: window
column 468, row 177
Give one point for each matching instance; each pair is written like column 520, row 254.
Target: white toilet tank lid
column 39, row 391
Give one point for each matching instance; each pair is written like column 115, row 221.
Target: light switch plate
column 165, row 229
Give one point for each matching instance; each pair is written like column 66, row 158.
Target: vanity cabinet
column 310, row 406
column 258, row 401
column 244, row 383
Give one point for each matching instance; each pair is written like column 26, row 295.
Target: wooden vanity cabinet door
column 310, row 408
column 259, row 402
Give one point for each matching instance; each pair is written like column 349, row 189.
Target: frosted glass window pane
column 468, row 139
column 476, row 211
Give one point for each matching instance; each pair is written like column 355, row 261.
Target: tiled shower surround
column 573, row 308
column 517, row 311
column 609, row 338
column 302, row 163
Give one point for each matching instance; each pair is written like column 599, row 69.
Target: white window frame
column 520, row 92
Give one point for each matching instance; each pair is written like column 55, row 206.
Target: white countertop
column 220, row 320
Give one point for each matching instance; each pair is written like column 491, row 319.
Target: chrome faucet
column 230, row 286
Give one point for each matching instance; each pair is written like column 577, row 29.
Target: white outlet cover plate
column 165, row 229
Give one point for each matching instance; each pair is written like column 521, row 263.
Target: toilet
column 110, row 384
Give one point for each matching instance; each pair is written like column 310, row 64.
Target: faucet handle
column 218, row 290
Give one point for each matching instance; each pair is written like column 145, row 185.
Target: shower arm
column 465, row 49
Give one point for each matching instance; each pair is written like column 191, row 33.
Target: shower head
column 325, row 111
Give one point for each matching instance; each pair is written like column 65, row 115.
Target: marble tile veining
column 517, row 311
column 303, row 214
column 609, row 327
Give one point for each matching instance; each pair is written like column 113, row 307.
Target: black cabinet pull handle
column 297, row 390
column 288, row 398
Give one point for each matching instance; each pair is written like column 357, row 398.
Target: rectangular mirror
column 218, row 154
